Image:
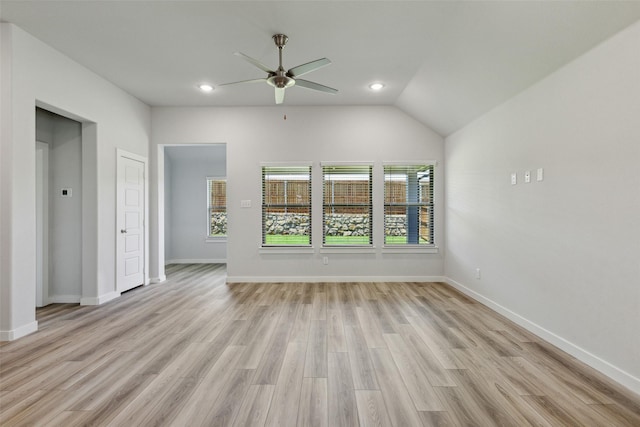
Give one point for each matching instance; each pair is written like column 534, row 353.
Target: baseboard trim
column 331, row 279
column 19, row 332
column 612, row 371
column 158, row 279
column 64, row 299
column 196, row 261
column 100, row 299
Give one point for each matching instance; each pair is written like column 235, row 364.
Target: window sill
column 410, row 249
column 352, row 249
column 285, row 249
column 215, row 240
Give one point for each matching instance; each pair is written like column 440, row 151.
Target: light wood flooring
column 195, row 351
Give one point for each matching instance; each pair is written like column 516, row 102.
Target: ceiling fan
column 281, row 79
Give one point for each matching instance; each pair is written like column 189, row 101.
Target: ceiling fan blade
column 254, row 62
column 244, row 81
column 279, row 95
column 315, row 86
column 308, row 67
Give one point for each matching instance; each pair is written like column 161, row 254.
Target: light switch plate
column 527, row 176
column 514, row 178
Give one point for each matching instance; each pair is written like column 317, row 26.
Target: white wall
column 255, row 135
column 35, row 74
column 561, row 256
column 186, row 217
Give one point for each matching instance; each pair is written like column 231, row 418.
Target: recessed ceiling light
column 376, row 86
column 205, row 87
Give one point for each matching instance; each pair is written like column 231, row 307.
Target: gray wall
column 559, row 256
column 186, row 203
column 64, row 137
column 312, row 135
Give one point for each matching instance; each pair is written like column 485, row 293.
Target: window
column 408, row 205
column 346, row 208
column 217, row 206
column 286, row 205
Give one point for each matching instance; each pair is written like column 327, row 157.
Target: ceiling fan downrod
column 280, row 79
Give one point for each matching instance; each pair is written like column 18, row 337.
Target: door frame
column 42, row 224
column 121, row 154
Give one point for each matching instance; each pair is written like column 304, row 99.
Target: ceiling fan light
column 205, row 87
column 376, row 86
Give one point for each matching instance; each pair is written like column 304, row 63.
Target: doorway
column 59, row 216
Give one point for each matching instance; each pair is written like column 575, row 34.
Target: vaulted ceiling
column 443, row 62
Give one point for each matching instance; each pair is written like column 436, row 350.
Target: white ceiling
column 443, row 62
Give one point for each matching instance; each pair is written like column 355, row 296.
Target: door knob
column 123, row 231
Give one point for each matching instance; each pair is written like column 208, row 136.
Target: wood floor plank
column 437, row 419
column 371, row 409
column 286, row 396
column 364, row 377
column 370, row 330
column 255, row 406
column 400, row 407
column 316, row 360
column 422, row 393
column 196, row 410
column 269, row 367
column 336, row 340
column 226, row 407
column 196, row 350
column 313, row 410
column 342, row 409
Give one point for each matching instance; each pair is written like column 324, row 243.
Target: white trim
column 613, row 372
column 158, row 279
column 100, row 299
column 347, row 163
column 304, row 164
column 411, row 163
column 196, row 261
column 348, row 249
column 216, row 239
column 286, row 249
column 64, row 299
column 42, row 223
column 410, row 249
column 19, row 332
column 332, row 279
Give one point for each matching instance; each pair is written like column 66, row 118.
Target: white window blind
column 286, row 205
column 347, row 205
column 217, row 206
column 408, row 204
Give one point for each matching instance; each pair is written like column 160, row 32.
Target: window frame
column 283, row 168
column 348, row 168
column 215, row 237
column 430, row 204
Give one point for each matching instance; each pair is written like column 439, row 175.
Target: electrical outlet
column 477, row 273
column 514, row 178
column 540, row 174
column 245, row 203
column 325, row 260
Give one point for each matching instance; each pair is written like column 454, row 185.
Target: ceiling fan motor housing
column 281, row 81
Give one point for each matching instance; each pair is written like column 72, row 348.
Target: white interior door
column 130, row 223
